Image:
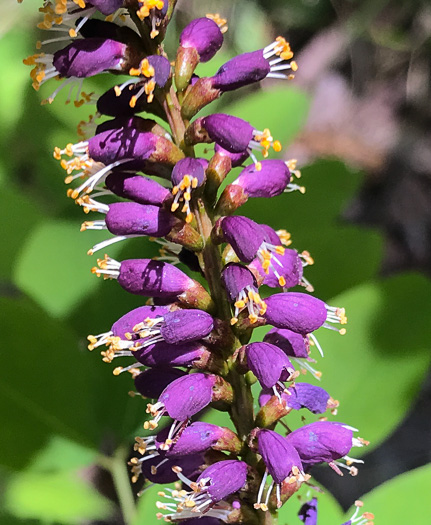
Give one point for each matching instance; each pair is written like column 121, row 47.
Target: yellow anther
column 221, row 22
column 117, row 91
column 294, row 66
column 258, row 166
column 234, row 320
column 277, row 146
column 253, row 318
column 282, row 281
column 280, row 250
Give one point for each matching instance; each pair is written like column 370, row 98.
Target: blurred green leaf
column 53, row 267
column 13, row 50
column 146, row 509
column 21, row 215
column 60, row 497
column 51, row 385
column 404, row 499
column 61, row 454
column 376, row 369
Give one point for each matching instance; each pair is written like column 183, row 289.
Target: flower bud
column 199, row 94
column 199, row 42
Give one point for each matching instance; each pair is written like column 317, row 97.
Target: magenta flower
column 203, row 35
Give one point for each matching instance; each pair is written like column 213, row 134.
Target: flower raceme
column 188, row 345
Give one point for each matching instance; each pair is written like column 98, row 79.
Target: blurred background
column 357, row 117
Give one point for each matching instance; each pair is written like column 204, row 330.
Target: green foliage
column 404, row 499
column 55, row 497
column 376, row 369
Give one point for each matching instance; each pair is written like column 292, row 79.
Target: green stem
column 117, row 466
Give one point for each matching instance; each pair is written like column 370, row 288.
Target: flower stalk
column 188, row 345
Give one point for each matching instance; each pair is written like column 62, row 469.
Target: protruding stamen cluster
column 264, row 140
column 249, row 299
column 145, row 70
column 182, row 192
column 280, row 49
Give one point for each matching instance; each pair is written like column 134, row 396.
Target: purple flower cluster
column 189, row 344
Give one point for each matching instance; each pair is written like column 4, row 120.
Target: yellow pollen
column 258, row 166
column 294, row 66
column 282, row 281
column 221, row 22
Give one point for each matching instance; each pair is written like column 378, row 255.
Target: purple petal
column 188, row 166
column 269, row 181
column 268, row 363
column 313, row 398
column 152, row 278
column 278, row 455
column 187, row 395
column 235, row 279
column 126, row 323
column 88, row 57
column 244, row 235
column 292, row 343
column 231, row 133
column 182, row 326
column 152, row 382
column 137, row 188
column 308, row 512
column 242, row 70
column 298, row 312
column 131, row 218
column 226, row 477
column 204, row 35
column 321, row 442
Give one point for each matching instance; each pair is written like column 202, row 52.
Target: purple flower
column 153, row 14
column 220, row 480
column 137, row 188
column 324, row 442
column 194, row 355
column 268, row 178
column 292, row 343
column 89, row 57
column 308, row 512
column 300, row 312
column 155, row 279
column 302, row 395
column 269, row 364
column 176, row 327
column 241, row 288
column 285, row 271
column 360, row 519
column 244, row 235
column 236, row 135
column 187, row 396
column 151, row 383
column 131, row 218
column 187, row 175
column 281, row 461
column 203, row 35
column 249, row 68
column 198, row 437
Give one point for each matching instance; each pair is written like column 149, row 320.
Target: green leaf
column 21, row 215
column 61, row 454
column 60, row 497
column 404, row 499
column 53, row 267
column 13, row 50
column 376, row 369
column 146, row 509
column 51, row 385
